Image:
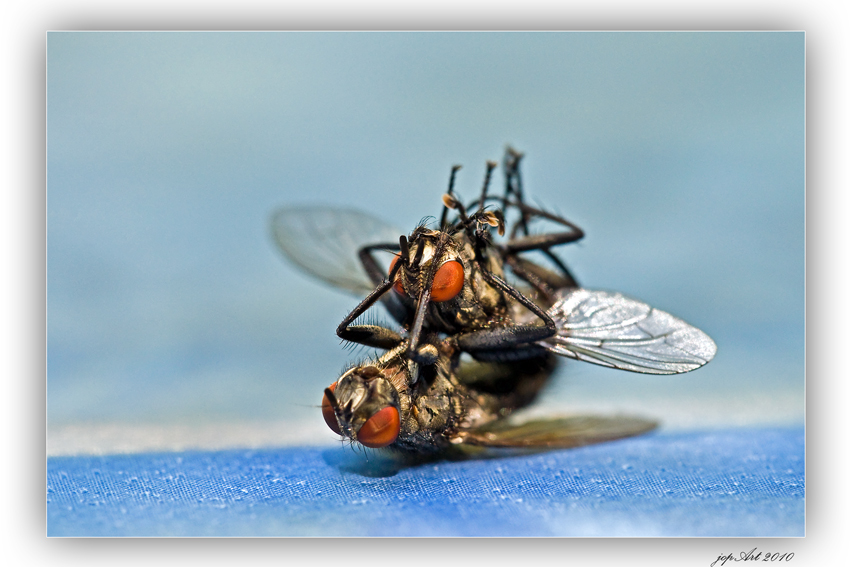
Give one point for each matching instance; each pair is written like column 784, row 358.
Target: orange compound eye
column 381, row 429
column 328, row 412
column 448, row 281
column 397, row 286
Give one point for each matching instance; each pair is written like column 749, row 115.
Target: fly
column 451, row 282
column 456, row 405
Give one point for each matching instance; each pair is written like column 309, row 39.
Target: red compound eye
column 381, row 429
column 328, row 412
column 448, row 281
column 397, row 286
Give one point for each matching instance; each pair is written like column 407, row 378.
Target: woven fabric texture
column 743, row 482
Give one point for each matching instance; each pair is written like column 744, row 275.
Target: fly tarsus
column 374, row 336
column 488, row 343
column 542, row 279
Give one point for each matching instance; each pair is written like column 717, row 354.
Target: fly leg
column 422, row 354
column 376, row 274
column 513, row 188
column 370, row 335
column 510, row 342
column 513, row 184
column 542, row 242
column 444, row 216
column 373, row 335
column 451, row 202
column 376, row 335
column 544, row 280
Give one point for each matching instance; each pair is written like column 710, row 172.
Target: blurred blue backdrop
column 680, row 154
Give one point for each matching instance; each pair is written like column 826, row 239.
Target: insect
column 453, row 406
column 450, row 296
column 450, row 281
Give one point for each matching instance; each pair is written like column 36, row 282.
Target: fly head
column 363, row 405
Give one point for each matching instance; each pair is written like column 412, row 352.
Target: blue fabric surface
column 741, row 482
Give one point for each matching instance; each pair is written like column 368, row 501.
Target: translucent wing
column 561, row 433
column 325, row 242
column 610, row 329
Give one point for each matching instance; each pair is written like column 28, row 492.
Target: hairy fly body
column 446, row 287
column 451, row 405
column 450, row 281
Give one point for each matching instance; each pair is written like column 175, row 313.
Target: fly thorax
column 479, row 302
column 490, row 299
column 437, row 408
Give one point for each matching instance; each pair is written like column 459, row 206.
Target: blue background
column 688, row 484
column 173, row 323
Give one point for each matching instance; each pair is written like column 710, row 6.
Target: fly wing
column 325, row 241
column 612, row 330
column 560, row 433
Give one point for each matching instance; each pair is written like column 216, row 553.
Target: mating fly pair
column 450, row 296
